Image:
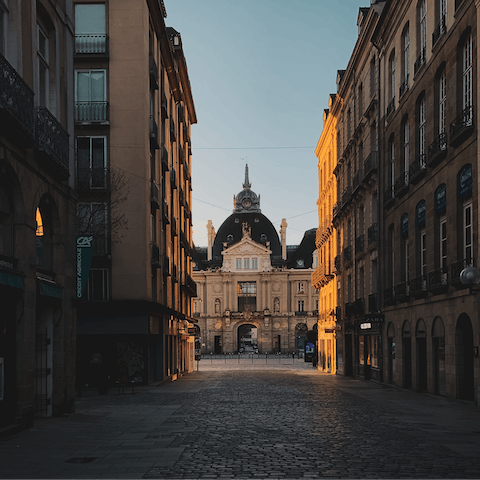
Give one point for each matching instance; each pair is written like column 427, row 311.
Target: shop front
column 368, row 335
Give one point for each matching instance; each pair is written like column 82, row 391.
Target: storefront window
column 361, row 350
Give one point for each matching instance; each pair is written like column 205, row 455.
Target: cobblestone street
column 233, row 422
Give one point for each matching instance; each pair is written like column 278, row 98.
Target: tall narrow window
column 443, row 244
column 467, row 80
column 392, row 246
column 442, row 102
column 423, row 252
column 422, row 121
column 238, row 263
column 247, row 296
column 392, row 167
column 467, row 233
column 405, row 60
column 43, row 66
column 91, row 162
column 301, row 306
column 254, row 263
column 407, row 260
column 373, row 77
column 3, row 21
column 360, row 102
column 392, row 75
column 97, row 289
column 246, row 263
column 406, row 150
column 90, row 95
column 423, row 29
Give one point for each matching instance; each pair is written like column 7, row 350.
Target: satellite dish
column 470, row 276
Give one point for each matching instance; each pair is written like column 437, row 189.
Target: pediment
column 247, row 246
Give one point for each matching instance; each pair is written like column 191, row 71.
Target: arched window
column 391, row 82
column 44, row 234
column 467, row 76
column 405, row 59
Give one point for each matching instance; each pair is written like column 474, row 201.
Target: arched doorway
column 464, row 357
column 391, row 352
column 438, row 340
column 406, row 355
column 421, row 341
column 247, row 338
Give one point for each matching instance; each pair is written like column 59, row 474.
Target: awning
column 11, row 280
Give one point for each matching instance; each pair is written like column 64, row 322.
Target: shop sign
column 405, row 224
column 441, row 199
column 421, row 213
column 192, row 330
column 329, row 330
column 84, row 262
column 465, row 181
column 11, row 280
column 49, row 290
column 365, row 326
column 375, row 318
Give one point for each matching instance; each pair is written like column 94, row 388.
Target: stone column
column 211, row 238
column 283, row 238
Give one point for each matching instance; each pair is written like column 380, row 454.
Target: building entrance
column 247, row 339
column 464, row 357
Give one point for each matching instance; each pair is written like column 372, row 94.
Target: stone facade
column 37, row 211
column 248, row 277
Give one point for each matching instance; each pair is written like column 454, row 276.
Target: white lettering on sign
column 365, row 326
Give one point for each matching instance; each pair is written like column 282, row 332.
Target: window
column 373, row 77
column 423, row 29
column 43, row 67
column 391, row 68
column 300, row 306
column 443, row 244
column 392, row 167
column 97, row 289
column 467, row 233
column 3, row 28
column 246, row 263
column 90, row 34
column 467, row 79
column 360, row 102
column 422, row 120
column 392, row 246
column 423, row 252
column 442, row 102
column 247, row 296
column 407, row 260
column 238, row 263
column 405, row 59
column 406, row 150
column 91, row 162
column 254, row 264
column 90, row 95
column 300, row 287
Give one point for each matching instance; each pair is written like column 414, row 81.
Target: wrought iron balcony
column 418, row 286
column 401, row 184
column 347, row 254
column 372, row 234
column 402, row 291
column 154, row 143
column 440, row 30
column 346, row 196
column 370, row 166
column 189, row 284
column 359, row 244
column 338, row 263
column 51, row 141
column 16, row 104
column 391, row 106
column 89, row 180
column 153, row 71
column 438, row 281
column 462, row 126
column 357, row 181
column 164, row 158
column 418, row 169
column 154, row 195
column 91, row 44
column 437, row 150
column 389, row 196
column 420, row 61
column 389, row 296
column 456, row 268
column 86, row 112
column 403, row 87
column 155, row 254
column 373, row 302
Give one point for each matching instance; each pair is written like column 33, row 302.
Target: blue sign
column 441, row 199
column 465, row 181
column 421, row 213
column 309, row 348
column 84, row 262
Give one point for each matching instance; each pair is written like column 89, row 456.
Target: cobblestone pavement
column 225, row 422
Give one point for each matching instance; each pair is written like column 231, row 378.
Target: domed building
column 253, row 290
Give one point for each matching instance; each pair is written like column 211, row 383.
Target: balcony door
column 90, row 95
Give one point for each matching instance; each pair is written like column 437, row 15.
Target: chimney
column 283, row 238
column 211, row 238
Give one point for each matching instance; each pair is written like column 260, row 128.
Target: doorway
column 438, row 337
column 247, row 339
column 464, row 358
column 421, row 341
column 406, row 355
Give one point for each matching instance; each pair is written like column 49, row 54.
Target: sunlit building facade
column 323, row 277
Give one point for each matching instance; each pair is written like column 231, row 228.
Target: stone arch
column 247, row 337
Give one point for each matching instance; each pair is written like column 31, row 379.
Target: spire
column 247, row 183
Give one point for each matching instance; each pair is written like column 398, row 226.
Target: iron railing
column 372, row 234
column 418, row 285
column 92, row 178
column 391, row 106
column 420, row 61
column 440, row 29
column 403, row 87
column 91, row 44
column 438, row 279
column 359, row 244
column 437, row 147
column 91, row 111
column 461, row 123
column 370, row 165
column 418, row 167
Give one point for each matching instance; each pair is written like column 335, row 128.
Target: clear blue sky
column 261, row 72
